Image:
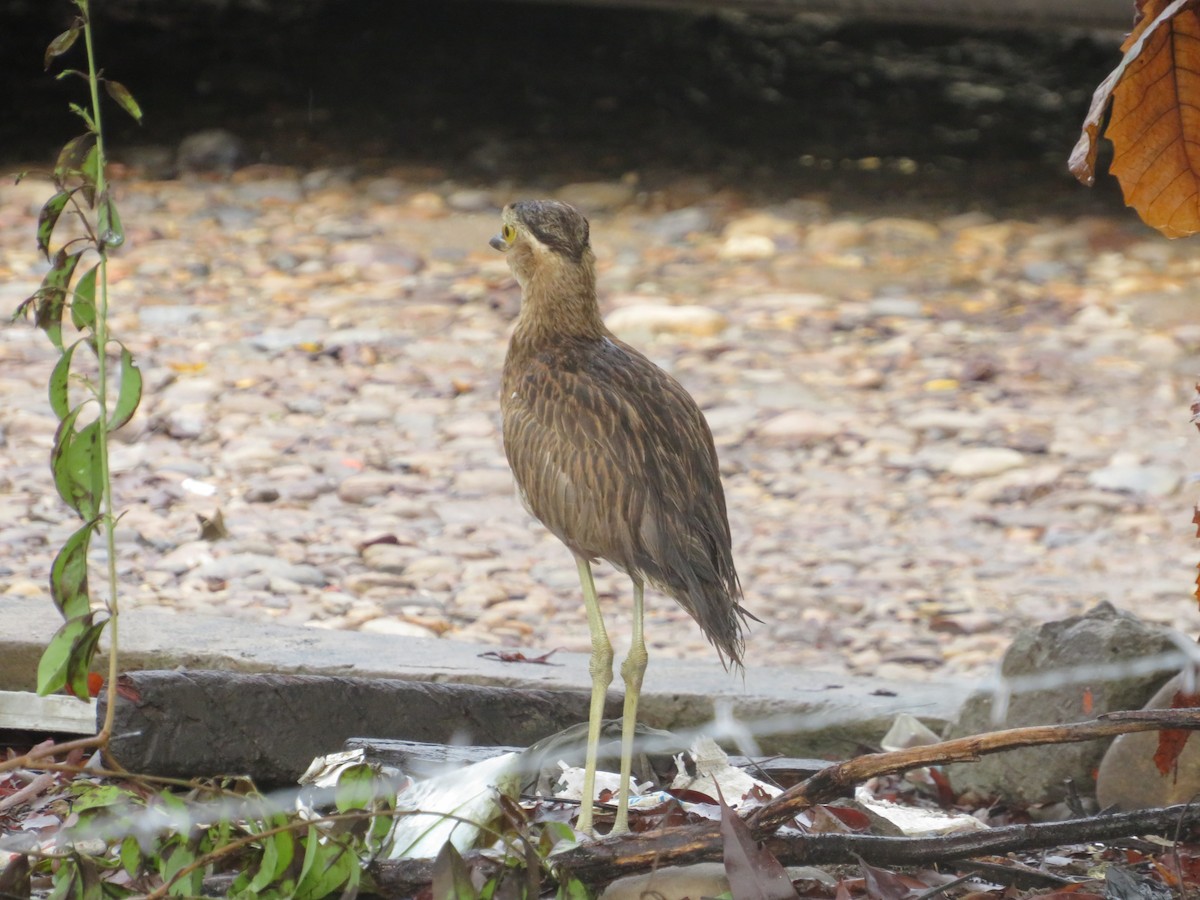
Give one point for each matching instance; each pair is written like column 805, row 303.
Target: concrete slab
column 790, row 712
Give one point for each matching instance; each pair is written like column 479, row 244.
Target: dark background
column 541, row 94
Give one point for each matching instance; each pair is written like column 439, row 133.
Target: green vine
column 92, row 394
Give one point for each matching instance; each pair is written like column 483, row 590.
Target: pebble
column 980, row 462
column 680, row 224
column 211, row 150
column 596, row 196
column 799, row 427
column 244, row 565
column 643, row 320
column 1150, row 480
column 366, row 488
column 396, row 628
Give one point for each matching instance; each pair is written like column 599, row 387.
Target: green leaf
column 73, row 155
column 278, row 852
column 60, row 383
column 68, row 885
column 52, row 295
column 130, row 394
column 327, row 866
column 190, row 884
column 110, row 233
column 83, row 305
column 62, row 43
column 97, row 796
column 451, row 880
column 48, row 218
column 79, row 663
column 573, row 889
column 83, row 462
column 131, row 856
column 90, row 173
column 69, row 574
column 52, row 667
column 75, row 464
column 355, row 788
column 124, row 99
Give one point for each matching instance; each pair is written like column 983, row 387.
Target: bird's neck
column 560, row 301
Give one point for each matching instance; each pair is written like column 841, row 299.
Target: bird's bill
column 498, row 243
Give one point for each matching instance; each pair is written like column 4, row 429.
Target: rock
column 671, row 883
column 653, row 319
column 596, row 196
column 898, row 307
column 1037, row 775
column 1128, row 777
column 366, row 487
column 947, row 421
column 747, row 247
column 1134, row 478
column 396, row 627
column 261, row 492
column 680, row 224
column 244, row 565
column 981, row 462
column 211, row 150
column 866, row 379
column 393, row 558
column 471, row 201
column 799, row 427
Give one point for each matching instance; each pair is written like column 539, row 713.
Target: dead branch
column 838, row 780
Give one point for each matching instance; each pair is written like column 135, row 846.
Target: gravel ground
column 950, row 396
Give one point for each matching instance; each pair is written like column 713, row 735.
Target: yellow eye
column 508, row 233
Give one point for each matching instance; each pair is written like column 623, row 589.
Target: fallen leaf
column 753, row 871
column 1171, row 741
column 882, row 884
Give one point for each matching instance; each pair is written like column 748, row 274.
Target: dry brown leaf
column 1154, row 125
column 1171, row 741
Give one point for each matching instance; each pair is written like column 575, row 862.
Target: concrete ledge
column 790, row 712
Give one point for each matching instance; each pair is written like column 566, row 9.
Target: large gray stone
column 1039, row 775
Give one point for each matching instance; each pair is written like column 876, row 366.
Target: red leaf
column 854, row 819
column 753, row 871
column 1089, row 701
column 1171, row 741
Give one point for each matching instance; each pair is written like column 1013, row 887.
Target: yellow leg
column 632, row 671
column 601, row 670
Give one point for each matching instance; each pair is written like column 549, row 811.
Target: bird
column 615, row 458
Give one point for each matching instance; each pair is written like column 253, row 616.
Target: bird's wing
column 613, row 456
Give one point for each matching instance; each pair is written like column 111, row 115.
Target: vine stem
column 102, row 386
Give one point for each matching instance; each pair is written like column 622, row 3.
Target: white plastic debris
column 914, row 821
column 570, row 783
column 908, row 731
column 469, row 795
column 714, row 772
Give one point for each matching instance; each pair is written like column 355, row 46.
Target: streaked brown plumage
column 610, row 453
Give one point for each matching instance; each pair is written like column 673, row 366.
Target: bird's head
column 542, row 237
